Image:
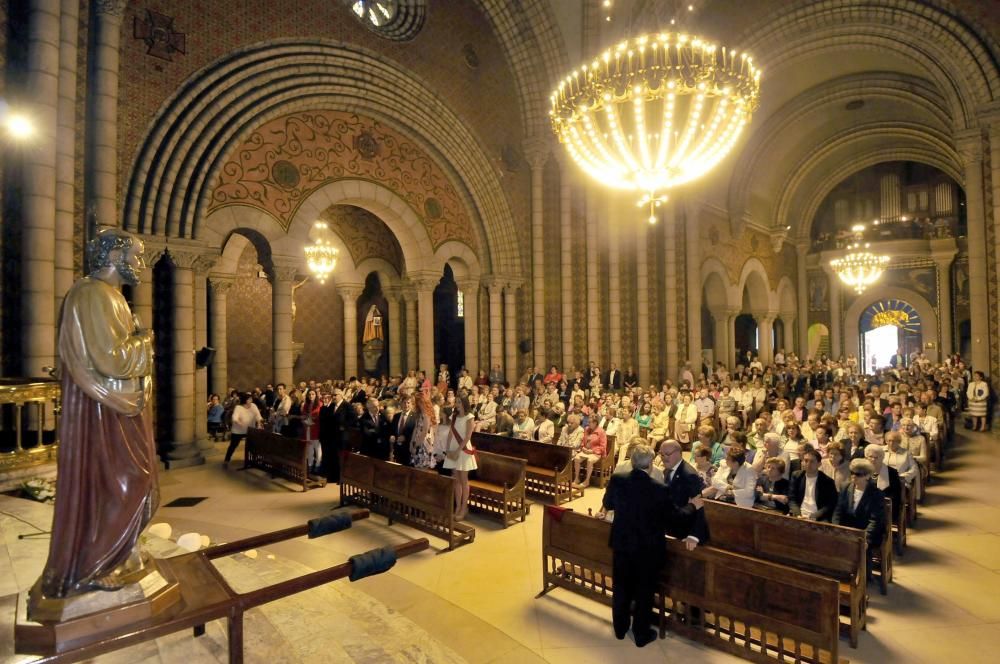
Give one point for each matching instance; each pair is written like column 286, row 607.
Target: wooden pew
column 419, row 498
column 498, row 487
column 882, row 560
column 758, row 610
column 835, row 552
column 549, row 470
column 280, row 456
column 606, row 466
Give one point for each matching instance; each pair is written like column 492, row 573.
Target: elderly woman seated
column 734, row 482
column 572, row 433
column 701, row 458
column 836, row 466
column 524, row 426
column 899, row 457
column 772, row 487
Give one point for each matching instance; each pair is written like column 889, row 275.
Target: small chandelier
column 859, row 268
column 321, row 255
column 655, row 112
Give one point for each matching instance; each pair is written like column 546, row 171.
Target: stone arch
column 463, row 261
column 386, row 272
column 786, row 298
column 754, row 284
column 929, row 330
column 956, row 58
column 717, row 291
column 178, row 162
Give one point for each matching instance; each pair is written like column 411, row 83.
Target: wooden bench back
column 275, row 446
column 542, row 455
column 500, row 469
column 423, row 490
column 745, row 599
column 820, row 548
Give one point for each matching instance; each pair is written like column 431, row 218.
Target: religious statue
column 106, row 487
column 373, row 339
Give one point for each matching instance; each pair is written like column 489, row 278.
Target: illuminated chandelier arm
column 617, row 132
column 602, row 155
column 714, row 129
column 641, row 137
column 666, row 131
column 690, row 127
column 592, row 155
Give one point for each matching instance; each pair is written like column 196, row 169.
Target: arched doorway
column 747, row 337
column 373, row 343
column 818, row 340
column 888, row 326
column 449, row 325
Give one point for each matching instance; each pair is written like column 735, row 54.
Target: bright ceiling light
column 19, row 126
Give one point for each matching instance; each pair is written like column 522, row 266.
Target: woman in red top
column 310, row 430
column 553, row 377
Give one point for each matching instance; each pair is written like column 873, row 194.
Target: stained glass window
column 399, row 20
column 377, row 12
column 460, row 304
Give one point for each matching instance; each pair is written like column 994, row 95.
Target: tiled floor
column 478, row 602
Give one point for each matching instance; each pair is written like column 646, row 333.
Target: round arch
column 929, row 330
column 715, row 284
column 754, row 283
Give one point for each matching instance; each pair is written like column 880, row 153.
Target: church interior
column 329, row 191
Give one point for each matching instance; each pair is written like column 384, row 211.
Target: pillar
column 943, row 251
column 283, row 355
column 393, row 296
column 470, row 287
column 350, row 293
column 142, row 295
column 566, row 266
column 642, row 303
column 219, row 286
column 693, row 267
column 101, row 155
column 788, row 331
column 410, row 297
column 69, row 23
column 765, row 336
column 494, row 289
column 723, row 339
column 425, row 324
column 836, row 317
column 537, row 157
column 670, row 292
column 38, row 218
column 615, row 298
column 802, row 297
column 184, row 450
column 510, row 325
column 970, row 147
column 892, row 198
column 200, row 269
column 595, row 338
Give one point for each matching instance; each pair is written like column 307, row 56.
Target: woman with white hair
column 735, row 481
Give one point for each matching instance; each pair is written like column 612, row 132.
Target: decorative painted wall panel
column 365, row 235
column 248, row 331
column 319, row 327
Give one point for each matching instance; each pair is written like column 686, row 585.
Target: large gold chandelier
column 655, row 112
column 321, row 255
column 859, row 268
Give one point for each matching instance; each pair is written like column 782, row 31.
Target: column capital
column 511, row 286
column 423, row 281
column 204, row 263
column 969, row 143
column 350, row 291
column 469, row 285
column 536, row 151
column 393, row 293
column 764, row 315
column 183, row 259
column 724, row 313
column 494, row 284
column 221, row 283
column 281, row 272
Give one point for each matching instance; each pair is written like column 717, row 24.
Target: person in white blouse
column 735, row 481
column 572, row 434
column 898, row 457
column 487, row 412
column 978, row 394
column 687, row 418
column 611, row 422
column 544, row 428
column 524, row 426
column 464, row 380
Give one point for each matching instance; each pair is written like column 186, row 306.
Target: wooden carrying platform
column 835, row 552
column 498, row 487
column 751, row 608
column 549, row 469
column 280, row 456
column 419, row 498
column 205, row 596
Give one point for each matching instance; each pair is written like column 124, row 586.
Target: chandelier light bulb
column 19, row 126
column 655, row 112
column 321, row 255
column 859, row 268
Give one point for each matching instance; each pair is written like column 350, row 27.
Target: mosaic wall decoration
column 319, row 326
column 249, row 307
column 716, row 241
column 281, row 163
column 365, row 235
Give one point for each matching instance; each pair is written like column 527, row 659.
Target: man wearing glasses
column 683, row 483
column 861, row 506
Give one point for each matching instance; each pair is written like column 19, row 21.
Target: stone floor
column 477, row 603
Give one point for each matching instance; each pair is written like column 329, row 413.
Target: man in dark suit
column 534, row 377
column 642, row 512
column 335, row 416
column 861, row 505
column 683, row 483
column 401, row 430
column 812, row 495
column 886, row 479
column 613, row 380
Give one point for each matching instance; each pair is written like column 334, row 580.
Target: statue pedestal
column 95, row 615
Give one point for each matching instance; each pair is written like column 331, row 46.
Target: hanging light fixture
column 655, row 112
column 859, row 268
column 321, row 255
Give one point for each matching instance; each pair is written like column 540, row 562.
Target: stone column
column 66, row 149
column 101, row 156
column 615, row 301
column 566, row 263
column 219, row 286
column 693, row 267
column 38, row 188
column 185, row 451
column 970, row 147
column 142, row 295
column 673, row 353
column 943, row 252
column 801, row 335
column 494, row 289
column 595, row 338
column 836, row 317
column 350, row 293
column 393, row 296
column 425, row 323
column 470, row 287
column 510, row 328
column 789, row 331
column 410, row 296
column 538, row 155
column 765, row 336
column 282, row 351
column 723, row 338
column 642, row 303
column 200, row 269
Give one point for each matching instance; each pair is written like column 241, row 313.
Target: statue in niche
column 373, row 339
column 817, row 293
column 106, row 487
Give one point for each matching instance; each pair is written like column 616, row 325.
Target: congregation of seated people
column 793, row 437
